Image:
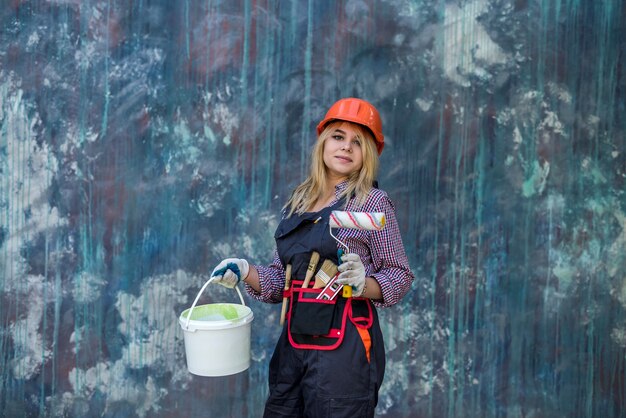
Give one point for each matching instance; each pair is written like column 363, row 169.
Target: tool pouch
column 315, row 323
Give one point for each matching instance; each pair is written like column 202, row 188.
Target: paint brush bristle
column 326, row 272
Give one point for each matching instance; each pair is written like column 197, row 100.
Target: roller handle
column 283, row 310
column 346, row 292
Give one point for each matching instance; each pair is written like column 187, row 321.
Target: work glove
column 230, row 271
column 352, row 272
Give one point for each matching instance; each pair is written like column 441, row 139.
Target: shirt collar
column 340, row 188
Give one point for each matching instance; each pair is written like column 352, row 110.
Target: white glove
column 352, row 272
column 230, row 271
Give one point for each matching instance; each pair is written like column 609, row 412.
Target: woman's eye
column 338, row 137
column 357, row 143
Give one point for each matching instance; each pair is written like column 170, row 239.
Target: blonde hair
column 359, row 183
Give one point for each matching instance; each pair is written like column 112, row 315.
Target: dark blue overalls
column 332, row 374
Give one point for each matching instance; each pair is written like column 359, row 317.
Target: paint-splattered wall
column 142, row 141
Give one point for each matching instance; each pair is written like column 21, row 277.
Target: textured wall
column 142, row 141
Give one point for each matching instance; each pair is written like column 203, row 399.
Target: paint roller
column 365, row 221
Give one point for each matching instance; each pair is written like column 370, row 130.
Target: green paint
column 216, row 312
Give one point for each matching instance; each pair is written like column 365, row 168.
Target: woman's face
column 343, row 153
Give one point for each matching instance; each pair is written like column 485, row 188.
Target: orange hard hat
column 357, row 111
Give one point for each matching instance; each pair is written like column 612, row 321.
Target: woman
column 330, row 357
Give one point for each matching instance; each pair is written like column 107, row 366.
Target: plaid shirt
column 382, row 253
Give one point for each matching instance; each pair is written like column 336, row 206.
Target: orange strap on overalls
column 362, row 325
column 367, row 341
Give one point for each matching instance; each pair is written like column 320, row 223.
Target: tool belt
column 318, row 324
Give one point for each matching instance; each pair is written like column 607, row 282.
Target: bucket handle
column 198, row 297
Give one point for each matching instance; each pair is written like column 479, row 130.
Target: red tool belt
column 318, row 324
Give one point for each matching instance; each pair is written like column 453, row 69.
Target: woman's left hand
column 352, row 272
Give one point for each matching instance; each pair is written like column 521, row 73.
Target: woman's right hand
column 230, row 271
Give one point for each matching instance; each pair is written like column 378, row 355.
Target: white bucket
column 217, row 337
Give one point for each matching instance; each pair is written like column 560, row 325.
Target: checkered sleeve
column 388, row 262
column 389, row 259
column 272, row 280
